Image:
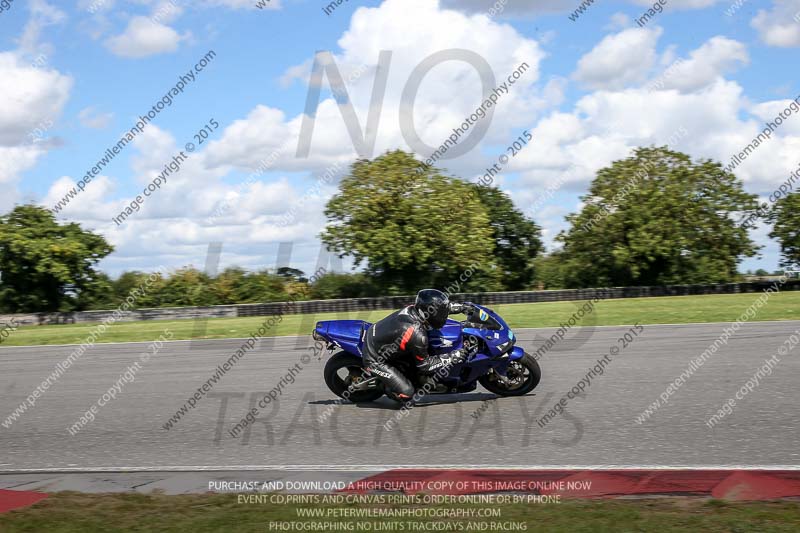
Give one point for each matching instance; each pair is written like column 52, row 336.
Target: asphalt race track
column 598, row 429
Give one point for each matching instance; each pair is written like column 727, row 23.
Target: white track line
column 297, row 336
column 150, row 342
column 384, row 468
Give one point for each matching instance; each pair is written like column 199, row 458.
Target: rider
column 404, row 335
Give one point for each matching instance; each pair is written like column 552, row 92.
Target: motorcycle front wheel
column 522, row 375
column 343, row 370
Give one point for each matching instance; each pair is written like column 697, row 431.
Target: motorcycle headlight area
column 505, row 347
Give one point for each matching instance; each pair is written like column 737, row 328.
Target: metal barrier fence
column 394, row 302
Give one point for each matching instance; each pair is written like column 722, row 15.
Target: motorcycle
column 493, row 360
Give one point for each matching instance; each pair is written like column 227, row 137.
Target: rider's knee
column 405, row 391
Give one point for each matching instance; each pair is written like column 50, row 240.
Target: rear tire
column 526, row 375
column 343, row 369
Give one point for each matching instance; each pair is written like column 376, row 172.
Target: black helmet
column 433, row 307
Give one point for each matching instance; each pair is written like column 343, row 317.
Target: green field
column 75, row 512
column 663, row 310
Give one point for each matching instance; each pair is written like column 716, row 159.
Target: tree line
column 654, row 218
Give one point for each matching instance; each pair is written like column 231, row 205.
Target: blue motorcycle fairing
column 447, row 339
column 495, row 352
column 347, row 334
column 516, row 353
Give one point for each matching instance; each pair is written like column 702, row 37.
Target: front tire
column 524, row 375
column 341, row 371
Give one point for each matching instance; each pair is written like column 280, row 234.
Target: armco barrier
column 393, row 302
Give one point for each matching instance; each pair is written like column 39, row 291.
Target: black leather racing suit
column 401, row 336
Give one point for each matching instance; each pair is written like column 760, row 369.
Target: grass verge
column 70, row 512
column 662, row 310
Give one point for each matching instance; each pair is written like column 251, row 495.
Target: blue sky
column 76, row 74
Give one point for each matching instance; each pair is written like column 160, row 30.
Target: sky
column 702, row 76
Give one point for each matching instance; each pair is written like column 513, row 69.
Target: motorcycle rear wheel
column 341, row 371
column 524, row 374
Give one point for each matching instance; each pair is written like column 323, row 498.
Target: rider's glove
column 429, row 365
column 456, row 356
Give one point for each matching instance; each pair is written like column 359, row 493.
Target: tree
column 99, row 294
column 126, row 282
column 412, row 226
column 228, row 285
column 129, row 283
column 336, row 285
column 187, row 287
column 658, row 218
column 517, row 239
column 785, row 219
column 550, row 270
column 292, row 274
column 261, row 286
column 46, row 266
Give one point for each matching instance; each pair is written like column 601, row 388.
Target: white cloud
column 170, row 226
column 619, row 60
column 542, row 7
column 618, row 21
column 144, row 37
column 173, row 223
column 14, row 160
column 42, row 16
column 768, row 111
column 247, row 141
column 411, row 29
column 246, row 4
column 602, row 126
column 711, row 61
column 679, row 4
column 511, row 7
column 89, row 205
column 191, row 194
column 299, row 72
column 96, row 6
column 780, row 26
column 32, row 97
column 166, row 11
column 92, row 118
column 715, row 121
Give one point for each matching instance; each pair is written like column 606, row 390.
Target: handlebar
column 460, row 307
